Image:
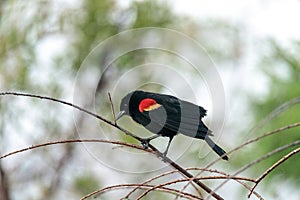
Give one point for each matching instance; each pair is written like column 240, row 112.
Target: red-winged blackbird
column 167, row 116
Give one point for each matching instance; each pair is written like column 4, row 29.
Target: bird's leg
column 145, row 141
column 166, row 151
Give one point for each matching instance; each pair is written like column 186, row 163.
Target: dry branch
column 157, row 152
column 263, row 175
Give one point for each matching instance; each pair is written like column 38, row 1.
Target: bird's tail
column 216, row 148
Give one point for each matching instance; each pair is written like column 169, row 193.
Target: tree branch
column 142, row 186
column 157, row 152
column 263, row 175
column 112, row 108
column 74, row 141
column 4, row 187
column 261, row 159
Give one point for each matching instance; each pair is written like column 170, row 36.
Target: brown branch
column 4, row 185
column 123, row 186
column 261, row 159
column 267, row 156
column 263, row 175
column 200, row 178
column 158, row 153
column 152, row 179
column 74, row 141
column 74, row 106
column 225, row 174
column 112, row 108
column 283, row 107
column 256, row 139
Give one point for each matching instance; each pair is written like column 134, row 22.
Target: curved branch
column 155, row 178
column 297, row 124
column 283, row 107
column 251, row 141
column 158, row 153
column 185, row 180
column 261, row 159
column 225, row 174
column 142, row 186
column 263, row 175
column 74, row 141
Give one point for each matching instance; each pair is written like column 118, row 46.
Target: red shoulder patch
column 148, row 104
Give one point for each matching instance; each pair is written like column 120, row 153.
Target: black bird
column 166, row 115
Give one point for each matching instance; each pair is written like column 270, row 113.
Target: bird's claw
column 145, row 144
column 164, row 157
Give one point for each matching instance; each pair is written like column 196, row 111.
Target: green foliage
column 101, row 19
column 152, row 13
column 282, row 67
column 86, row 184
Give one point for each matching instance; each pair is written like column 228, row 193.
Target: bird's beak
column 120, row 114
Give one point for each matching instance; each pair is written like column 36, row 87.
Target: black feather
column 172, row 117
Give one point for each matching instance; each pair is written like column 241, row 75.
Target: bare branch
column 154, row 178
column 4, row 185
column 251, row 141
column 225, row 174
column 283, row 159
column 124, row 186
column 112, row 108
column 261, row 159
column 257, row 139
column 275, row 113
column 184, row 180
column 74, row 141
column 157, row 152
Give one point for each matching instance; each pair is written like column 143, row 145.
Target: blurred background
column 247, row 65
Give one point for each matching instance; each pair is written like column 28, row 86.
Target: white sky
column 261, row 18
column 276, row 18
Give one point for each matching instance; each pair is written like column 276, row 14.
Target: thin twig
column 198, row 178
column 112, row 107
column 261, row 159
column 249, row 142
column 225, row 174
column 283, row 107
column 158, row 153
column 123, row 186
column 155, row 178
column 74, row 141
column 263, row 175
column 150, row 180
column 257, row 139
column 74, row 106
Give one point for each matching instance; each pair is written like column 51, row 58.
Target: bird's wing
column 181, row 117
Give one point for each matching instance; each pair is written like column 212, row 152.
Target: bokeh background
column 249, row 49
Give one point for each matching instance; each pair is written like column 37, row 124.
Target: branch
column 74, row 141
column 283, row 159
column 158, row 153
column 185, row 180
column 257, row 139
column 112, row 108
column 251, row 141
column 4, row 185
column 261, row 159
column 122, row 186
column 283, row 107
column 225, row 176
column 74, row 106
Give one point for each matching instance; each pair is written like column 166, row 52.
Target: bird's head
column 124, row 106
